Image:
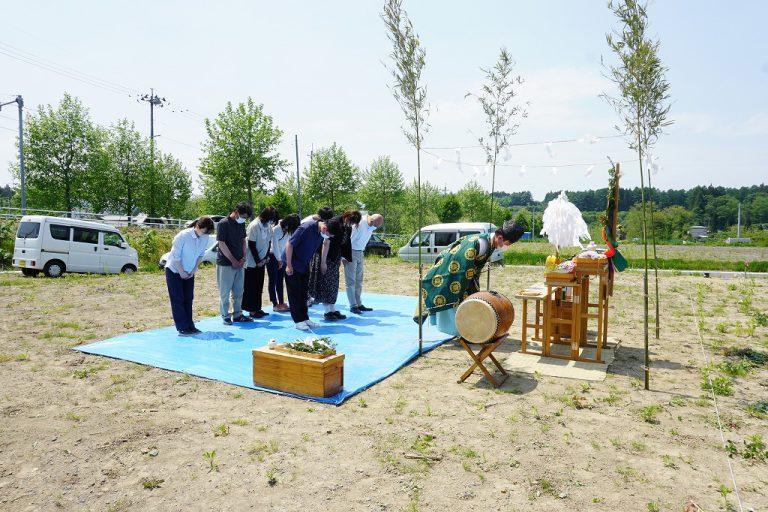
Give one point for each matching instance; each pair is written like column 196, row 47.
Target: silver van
column 437, row 237
column 54, row 245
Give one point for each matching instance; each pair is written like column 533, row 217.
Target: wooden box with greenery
column 306, row 367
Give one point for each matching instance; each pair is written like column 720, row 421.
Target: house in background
column 698, row 232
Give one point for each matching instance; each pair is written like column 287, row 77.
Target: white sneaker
column 312, row 325
column 302, row 326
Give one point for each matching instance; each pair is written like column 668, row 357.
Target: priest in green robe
column 456, row 272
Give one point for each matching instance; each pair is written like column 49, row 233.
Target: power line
column 88, row 79
column 68, row 69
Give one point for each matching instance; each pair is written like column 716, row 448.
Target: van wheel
column 54, row 268
column 29, row 272
column 128, row 269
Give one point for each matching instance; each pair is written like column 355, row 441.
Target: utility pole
column 298, row 176
column 153, row 101
column 22, row 174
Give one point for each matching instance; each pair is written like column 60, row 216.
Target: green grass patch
column 512, row 257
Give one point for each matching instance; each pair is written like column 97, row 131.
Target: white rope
column 714, row 401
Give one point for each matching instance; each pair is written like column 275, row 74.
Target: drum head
column 476, row 321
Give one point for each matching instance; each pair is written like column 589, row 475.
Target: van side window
column 466, row 233
column 86, row 236
column 443, row 239
column 113, row 239
column 420, row 239
column 59, row 232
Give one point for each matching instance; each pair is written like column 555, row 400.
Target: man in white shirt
column 354, row 268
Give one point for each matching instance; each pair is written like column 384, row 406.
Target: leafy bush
column 7, row 238
column 150, row 244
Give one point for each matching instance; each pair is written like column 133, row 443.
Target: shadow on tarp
column 375, row 345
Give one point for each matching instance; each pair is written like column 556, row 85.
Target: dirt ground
column 81, row 432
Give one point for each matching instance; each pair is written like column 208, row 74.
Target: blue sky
column 317, row 68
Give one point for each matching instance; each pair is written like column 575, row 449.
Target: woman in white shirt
column 259, row 236
column 281, row 233
column 187, row 251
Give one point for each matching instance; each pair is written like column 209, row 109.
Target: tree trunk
column 655, row 261
column 418, row 234
column 645, row 263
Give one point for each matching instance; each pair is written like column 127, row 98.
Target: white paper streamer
column 588, row 172
column 563, row 224
column 523, row 170
column 548, row 147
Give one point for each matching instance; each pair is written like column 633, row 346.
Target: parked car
column 437, row 237
column 376, row 245
column 55, row 245
column 208, row 257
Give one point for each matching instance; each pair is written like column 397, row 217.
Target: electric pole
column 298, row 177
column 22, row 175
column 153, row 100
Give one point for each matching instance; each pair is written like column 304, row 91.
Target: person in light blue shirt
column 187, row 251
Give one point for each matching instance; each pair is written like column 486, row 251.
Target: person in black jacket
column 324, row 269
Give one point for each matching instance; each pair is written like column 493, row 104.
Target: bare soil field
column 81, row 432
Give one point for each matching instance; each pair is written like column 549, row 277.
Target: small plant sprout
column 272, row 477
column 649, row 412
column 210, row 457
column 221, row 430
column 151, row 482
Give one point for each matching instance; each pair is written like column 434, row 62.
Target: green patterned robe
column 455, row 275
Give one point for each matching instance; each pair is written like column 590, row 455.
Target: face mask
column 240, row 220
column 326, row 236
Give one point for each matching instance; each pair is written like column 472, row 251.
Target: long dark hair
column 204, row 223
column 350, row 217
column 289, row 224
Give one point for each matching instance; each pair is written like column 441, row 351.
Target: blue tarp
column 376, row 344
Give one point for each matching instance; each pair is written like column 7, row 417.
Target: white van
column 55, row 245
column 437, row 237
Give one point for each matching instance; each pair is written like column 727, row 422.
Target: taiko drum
column 484, row 316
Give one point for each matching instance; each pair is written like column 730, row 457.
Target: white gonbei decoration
column 563, row 224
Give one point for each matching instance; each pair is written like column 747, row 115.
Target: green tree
column 128, row 154
column 430, row 205
column 240, row 155
column 383, row 189
column 173, row 186
column 523, row 219
column 474, row 202
column 450, row 209
column 331, row 178
column 643, row 106
column 282, row 201
column 722, row 212
column 758, row 209
column 61, row 147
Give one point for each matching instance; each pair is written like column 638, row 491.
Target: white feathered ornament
column 563, row 224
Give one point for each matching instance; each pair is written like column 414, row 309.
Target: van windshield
column 28, row 230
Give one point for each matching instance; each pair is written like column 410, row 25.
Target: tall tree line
column 73, row 163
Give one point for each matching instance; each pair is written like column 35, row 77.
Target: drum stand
column 479, row 357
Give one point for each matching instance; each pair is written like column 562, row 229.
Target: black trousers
column 298, row 289
column 182, row 293
column 253, row 287
column 276, row 277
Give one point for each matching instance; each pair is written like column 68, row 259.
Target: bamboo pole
column 655, row 261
